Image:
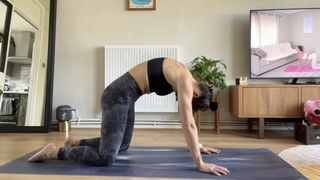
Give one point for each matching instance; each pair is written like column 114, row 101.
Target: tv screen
column 285, row 43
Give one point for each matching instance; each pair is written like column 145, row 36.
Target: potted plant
column 209, row 71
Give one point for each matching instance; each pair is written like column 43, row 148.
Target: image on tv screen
column 285, row 43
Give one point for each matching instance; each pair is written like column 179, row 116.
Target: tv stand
column 294, row 81
column 260, row 102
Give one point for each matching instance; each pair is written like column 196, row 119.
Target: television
column 285, row 43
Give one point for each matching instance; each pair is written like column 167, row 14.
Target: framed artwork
column 141, row 4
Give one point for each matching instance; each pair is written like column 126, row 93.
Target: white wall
column 310, row 41
column 214, row 28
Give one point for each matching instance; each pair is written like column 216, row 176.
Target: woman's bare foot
column 48, row 152
column 70, row 142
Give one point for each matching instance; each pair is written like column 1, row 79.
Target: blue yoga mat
column 168, row 163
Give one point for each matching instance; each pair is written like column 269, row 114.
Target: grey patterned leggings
column 116, row 128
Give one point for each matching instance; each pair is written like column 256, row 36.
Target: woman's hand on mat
column 212, row 168
column 207, row 150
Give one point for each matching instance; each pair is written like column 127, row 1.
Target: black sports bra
column 157, row 81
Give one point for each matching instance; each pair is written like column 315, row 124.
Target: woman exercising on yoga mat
column 160, row 75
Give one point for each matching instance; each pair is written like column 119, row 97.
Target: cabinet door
column 270, row 102
column 310, row 93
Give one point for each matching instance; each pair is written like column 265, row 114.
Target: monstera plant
column 209, row 71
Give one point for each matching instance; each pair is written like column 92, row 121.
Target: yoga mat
column 303, row 68
column 168, row 163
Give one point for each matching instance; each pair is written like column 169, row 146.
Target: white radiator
column 119, row 59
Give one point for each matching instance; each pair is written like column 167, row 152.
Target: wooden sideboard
column 270, row 101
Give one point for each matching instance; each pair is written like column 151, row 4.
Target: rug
column 303, row 68
column 168, row 163
column 305, row 158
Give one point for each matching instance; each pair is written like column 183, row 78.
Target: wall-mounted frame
column 141, row 4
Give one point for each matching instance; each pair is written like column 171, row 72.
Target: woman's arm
column 185, row 95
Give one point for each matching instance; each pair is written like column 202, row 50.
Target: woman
column 160, row 75
column 301, row 56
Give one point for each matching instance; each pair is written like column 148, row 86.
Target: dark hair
column 300, row 48
column 202, row 102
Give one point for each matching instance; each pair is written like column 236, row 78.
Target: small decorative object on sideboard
column 241, row 81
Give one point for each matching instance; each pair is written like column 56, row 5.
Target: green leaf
column 209, row 71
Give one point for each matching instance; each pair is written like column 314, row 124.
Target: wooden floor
column 16, row 145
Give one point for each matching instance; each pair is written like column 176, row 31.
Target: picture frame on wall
column 141, row 4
